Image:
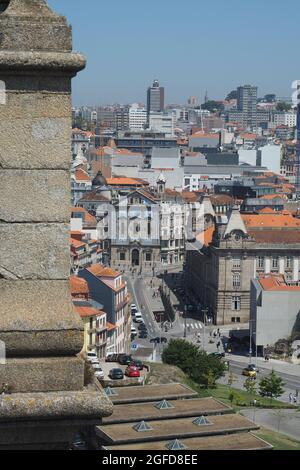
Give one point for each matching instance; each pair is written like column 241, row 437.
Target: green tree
column 250, row 386
column 283, row 106
column 271, row 386
column 232, row 95
column 213, row 106
column 200, row 367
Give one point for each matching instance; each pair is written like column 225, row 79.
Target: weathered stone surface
column 47, row 201
column 40, row 104
column 43, row 374
column 49, row 32
column 34, row 251
column 85, row 404
column 38, row 318
column 35, row 143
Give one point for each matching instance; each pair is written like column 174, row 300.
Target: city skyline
column 153, row 45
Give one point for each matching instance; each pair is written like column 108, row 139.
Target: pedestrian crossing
column 194, row 326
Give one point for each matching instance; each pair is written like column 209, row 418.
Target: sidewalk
column 283, row 421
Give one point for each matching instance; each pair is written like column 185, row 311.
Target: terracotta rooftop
column 78, row 285
column 81, row 175
column 276, row 237
column 124, row 181
column 102, row 271
column 277, row 283
column 88, row 311
column 282, row 219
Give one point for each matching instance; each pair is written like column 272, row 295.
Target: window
column 289, row 262
column 236, row 262
column 235, row 319
column 275, row 262
column 122, row 256
column 261, row 262
column 236, row 303
column 148, row 257
column 236, row 281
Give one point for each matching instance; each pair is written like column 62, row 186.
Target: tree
column 232, row 95
column 250, row 386
column 213, row 106
column 271, row 386
column 200, row 367
column 282, row 106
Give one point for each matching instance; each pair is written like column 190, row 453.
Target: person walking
column 295, row 399
column 291, row 398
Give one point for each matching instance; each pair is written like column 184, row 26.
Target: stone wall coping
column 42, row 61
column 87, row 404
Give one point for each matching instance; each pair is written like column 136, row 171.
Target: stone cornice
column 67, row 62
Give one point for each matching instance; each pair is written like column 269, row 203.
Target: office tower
column 155, row 98
column 247, row 104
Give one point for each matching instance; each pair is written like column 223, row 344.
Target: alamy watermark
column 2, row 92
column 2, row 353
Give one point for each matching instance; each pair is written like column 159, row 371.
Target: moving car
column 124, row 359
column 249, row 372
column 116, row 374
column 132, row 371
column 159, row 340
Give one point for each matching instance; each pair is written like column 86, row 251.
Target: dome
column 99, row 180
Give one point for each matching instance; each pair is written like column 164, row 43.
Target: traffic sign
column 134, row 347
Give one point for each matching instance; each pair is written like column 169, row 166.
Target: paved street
column 283, row 421
column 201, row 335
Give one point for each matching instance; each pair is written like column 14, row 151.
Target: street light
column 205, row 312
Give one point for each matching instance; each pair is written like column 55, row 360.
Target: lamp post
column 205, row 312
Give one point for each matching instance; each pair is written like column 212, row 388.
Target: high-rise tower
column 155, row 98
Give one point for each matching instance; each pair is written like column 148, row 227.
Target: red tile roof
column 78, row 286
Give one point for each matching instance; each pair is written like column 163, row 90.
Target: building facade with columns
column 238, row 249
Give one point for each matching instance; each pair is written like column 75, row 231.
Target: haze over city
column 190, row 47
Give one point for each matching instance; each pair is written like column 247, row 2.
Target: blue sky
column 190, row 46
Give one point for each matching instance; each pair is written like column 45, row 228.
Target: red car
column 132, row 371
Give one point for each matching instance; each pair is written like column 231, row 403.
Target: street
column 197, row 333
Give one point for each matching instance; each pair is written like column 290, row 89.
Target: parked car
column 159, row 340
column 99, row 372
column 132, row 371
column 92, row 357
column 79, row 443
column 142, row 326
column 133, row 309
column 218, row 355
column 139, row 364
column 249, row 372
column 124, row 359
column 112, row 357
column 116, row 374
column 133, row 330
column 138, row 318
column 143, row 334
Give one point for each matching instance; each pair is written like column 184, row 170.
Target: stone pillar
column 38, row 325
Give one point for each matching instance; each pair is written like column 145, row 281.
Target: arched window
column 3, row 5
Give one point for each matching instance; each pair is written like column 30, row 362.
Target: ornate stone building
column 45, row 401
column 237, row 250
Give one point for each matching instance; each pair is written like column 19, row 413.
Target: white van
column 138, row 318
column 92, row 357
